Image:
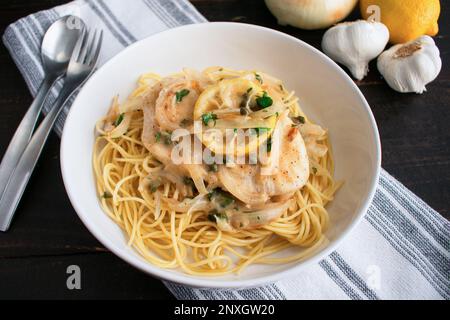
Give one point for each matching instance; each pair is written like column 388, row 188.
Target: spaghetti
column 189, row 216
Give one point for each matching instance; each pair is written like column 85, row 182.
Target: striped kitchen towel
column 401, row 250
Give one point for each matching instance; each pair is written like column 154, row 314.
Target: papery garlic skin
column 411, row 66
column 355, row 44
column 310, row 14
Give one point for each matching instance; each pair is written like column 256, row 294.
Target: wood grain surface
column 46, row 236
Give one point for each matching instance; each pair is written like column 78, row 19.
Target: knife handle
column 22, row 173
column 23, row 133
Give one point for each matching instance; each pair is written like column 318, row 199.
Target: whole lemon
column 406, row 20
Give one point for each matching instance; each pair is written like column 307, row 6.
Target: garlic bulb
column 355, row 44
column 310, row 15
column 411, row 66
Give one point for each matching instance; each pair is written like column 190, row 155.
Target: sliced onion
column 271, row 166
column 157, row 205
column 257, row 219
column 197, row 172
column 132, row 104
column 199, row 203
column 122, row 128
column 309, row 129
column 314, row 149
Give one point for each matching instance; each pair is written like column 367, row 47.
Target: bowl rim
column 205, row 282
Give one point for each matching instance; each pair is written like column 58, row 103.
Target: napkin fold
column 401, row 250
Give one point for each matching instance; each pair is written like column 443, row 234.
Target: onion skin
column 310, row 14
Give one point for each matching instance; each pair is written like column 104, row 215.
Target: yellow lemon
column 219, row 109
column 406, row 20
column 224, row 95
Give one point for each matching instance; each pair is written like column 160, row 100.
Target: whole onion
column 310, row 14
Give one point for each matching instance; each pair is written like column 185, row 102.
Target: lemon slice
column 236, row 142
column 219, row 108
column 227, row 94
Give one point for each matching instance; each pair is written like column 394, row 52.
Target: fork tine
column 79, row 46
column 92, row 59
column 84, row 47
column 91, row 47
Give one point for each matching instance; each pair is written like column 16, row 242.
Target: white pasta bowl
column 327, row 95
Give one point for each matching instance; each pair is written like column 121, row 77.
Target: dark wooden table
column 47, row 236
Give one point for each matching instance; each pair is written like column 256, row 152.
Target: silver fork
column 81, row 66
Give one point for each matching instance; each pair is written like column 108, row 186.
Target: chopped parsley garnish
column 249, row 90
column 265, row 101
column 164, row 137
column 119, row 120
column 214, row 216
column 154, row 185
column 107, row 195
column 181, row 94
column 299, row 120
column 211, row 194
column 226, row 201
column 314, row 170
column 188, row 181
column 258, row 77
column 223, row 198
column 213, row 167
column 208, row 117
column 260, row 131
column 269, row 145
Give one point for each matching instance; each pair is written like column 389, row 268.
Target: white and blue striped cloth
column 400, row 251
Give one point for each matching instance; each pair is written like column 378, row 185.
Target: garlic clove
column 355, row 44
column 411, row 66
